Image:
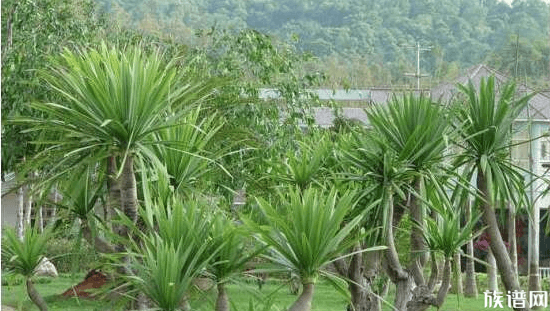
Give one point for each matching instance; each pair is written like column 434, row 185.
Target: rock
column 46, row 268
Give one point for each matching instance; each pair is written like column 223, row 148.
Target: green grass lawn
column 325, row 299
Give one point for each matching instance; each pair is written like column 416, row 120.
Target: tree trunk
column 128, row 191
column 304, row 301
column 498, row 248
column 54, row 208
column 401, row 278
column 358, row 284
column 40, row 219
column 457, row 276
column 114, row 198
column 470, row 288
column 28, row 206
column 222, row 303
column 20, row 226
column 492, row 280
column 442, row 293
column 97, row 242
column 512, row 241
column 534, row 232
column 418, row 245
column 35, row 296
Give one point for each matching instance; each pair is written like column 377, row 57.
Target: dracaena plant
column 306, row 233
column 485, row 116
column 174, row 248
column 24, row 256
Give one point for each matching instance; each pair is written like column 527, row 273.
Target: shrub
column 68, row 256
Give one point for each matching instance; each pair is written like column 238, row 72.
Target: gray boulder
column 46, row 268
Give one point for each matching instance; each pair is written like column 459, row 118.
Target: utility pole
column 417, row 75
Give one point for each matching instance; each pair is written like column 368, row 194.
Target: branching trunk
column 222, row 303
column 35, row 296
column 498, row 248
column 470, row 288
column 341, row 267
column 97, row 242
column 422, row 296
column 434, row 273
column 304, row 301
column 401, row 278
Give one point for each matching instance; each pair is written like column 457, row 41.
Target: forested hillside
column 363, row 42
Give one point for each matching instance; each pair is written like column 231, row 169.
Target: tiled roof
column 539, row 105
column 9, row 183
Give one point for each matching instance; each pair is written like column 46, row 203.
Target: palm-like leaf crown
column 113, row 100
column 305, row 233
column 485, row 122
column 415, row 127
column 23, row 256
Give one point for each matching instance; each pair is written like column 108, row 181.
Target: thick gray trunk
column 358, row 284
column 470, row 288
column 422, row 295
column 304, row 301
column 35, row 296
column 20, row 226
column 403, row 293
column 418, row 245
column 457, row 276
column 222, row 303
column 128, row 190
column 509, row 278
column 442, row 293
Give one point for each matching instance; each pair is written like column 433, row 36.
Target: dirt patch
column 94, row 279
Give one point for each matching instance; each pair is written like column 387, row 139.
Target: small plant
column 22, row 257
column 306, row 233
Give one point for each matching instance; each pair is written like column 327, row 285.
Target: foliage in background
column 366, row 43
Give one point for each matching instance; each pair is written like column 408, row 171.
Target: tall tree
column 114, row 101
column 486, row 117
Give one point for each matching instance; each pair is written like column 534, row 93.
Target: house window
column 545, row 149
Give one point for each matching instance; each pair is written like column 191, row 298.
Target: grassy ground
column 325, row 299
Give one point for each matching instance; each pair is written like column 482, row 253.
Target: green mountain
column 368, row 36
